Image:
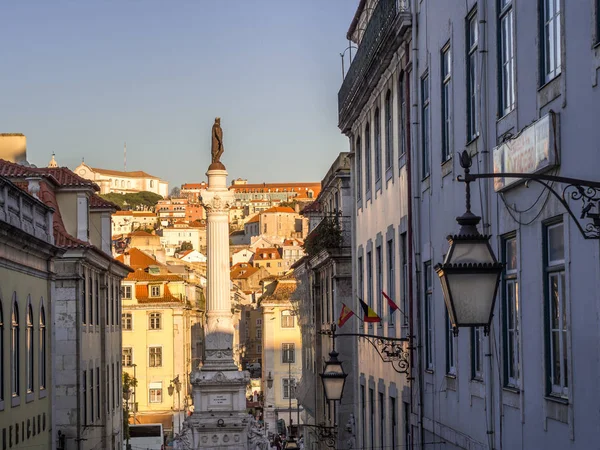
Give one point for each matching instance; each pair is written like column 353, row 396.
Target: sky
column 81, row 78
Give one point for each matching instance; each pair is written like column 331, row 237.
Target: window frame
column 425, row 127
column 154, row 290
column 30, row 351
column 405, row 296
column 288, row 314
column 127, row 292
column 476, row 336
column 155, row 321
column 368, row 160
column 511, row 334
column 358, row 153
column 506, row 57
column 446, row 100
column 125, row 356
column 288, row 349
column 379, row 274
column 428, row 315
column 370, row 281
column 552, row 268
column 550, row 19
column 15, row 355
column 389, row 128
column 152, row 363
column 402, row 114
column 155, row 395
column 377, row 143
column 287, row 384
column 391, row 278
column 471, row 50
column 127, row 321
column 451, row 359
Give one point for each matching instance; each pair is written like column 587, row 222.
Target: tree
column 175, row 192
column 136, row 201
column 184, row 246
column 128, row 383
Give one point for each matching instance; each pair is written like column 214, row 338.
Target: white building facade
column 122, row 182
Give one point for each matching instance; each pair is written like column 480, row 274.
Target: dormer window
column 82, row 217
column 155, row 290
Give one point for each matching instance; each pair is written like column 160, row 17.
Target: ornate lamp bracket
column 390, row 350
column 327, row 435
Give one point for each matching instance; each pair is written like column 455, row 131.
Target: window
column 556, row 324
column 446, row 100
column 92, row 395
column 259, row 333
column 84, row 396
column 288, row 387
column 404, row 310
column 155, row 319
column 127, row 357
column 368, row 167
column 91, row 299
column 425, row 124
column 127, row 321
column 155, row 356
column 407, row 434
column 287, row 319
column 114, row 385
column 268, row 264
column 126, row 292
column 107, row 303
column 472, row 40
column 259, row 322
column 15, row 351
column 155, row 393
column 361, row 280
column 379, row 269
column 391, row 280
column 402, row 115
column 477, row 353
column 98, row 405
column 393, row 423
column 428, row 308
column 381, row 421
column 29, row 345
column 83, row 304
column 372, row 416
column 550, row 39
column 155, row 291
column 450, row 348
column 506, row 58
column 97, row 299
column 377, row 136
column 288, row 353
column 388, row 130
column 363, row 403
column 510, row 314
column 258, row 348
column 370, row 280
column 358, row 152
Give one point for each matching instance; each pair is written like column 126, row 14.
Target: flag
column 391, row 304
column 345, row 314
column 370, row 315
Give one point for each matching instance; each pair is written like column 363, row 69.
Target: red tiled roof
column 138, row 259
column 61, row 176
column 255, row 219
column 67, row 177
column 193, row 186
column 143, row 214
column 242, row 271
column 279, row 209
column 312, row 207
column 142, row 296
column 263, row 254
column 141, row 233
column 142, row 275
column 123, row 213
column 97, row 202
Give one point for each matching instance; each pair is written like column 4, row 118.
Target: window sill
column 472, row 139
column 43, row 393
column 15, row 401
column 389, row 174
column 447, row 167
column 29, row 397
column 425, row 183
column 451, row 381
column 555, row 399
column 401, row 162
column 1, row 405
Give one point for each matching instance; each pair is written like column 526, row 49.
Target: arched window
column 29, row 339
column 358, row 152
column 368, row 158
column 377, row 136
column 42, row 347
column 14, row 349
column 1, row 353
column 388, row 129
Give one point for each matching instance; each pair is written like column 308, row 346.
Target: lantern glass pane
column 334, row 387
column 463, row 252
column 472, row 296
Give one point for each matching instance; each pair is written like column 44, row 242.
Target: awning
column 165, row 419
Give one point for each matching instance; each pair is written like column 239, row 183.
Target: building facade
column 527, row 384
column 374, row 104
column 123, row 182
column 26, row 326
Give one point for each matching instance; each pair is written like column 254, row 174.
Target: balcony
column 384, row 33
column 333, row 232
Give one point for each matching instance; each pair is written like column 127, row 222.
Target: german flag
column 345, row 314
column 369, row 315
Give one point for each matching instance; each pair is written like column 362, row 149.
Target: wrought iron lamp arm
column 326, row 434
column 588, row 192
column 389, row 349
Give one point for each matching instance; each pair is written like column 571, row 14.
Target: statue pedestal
column 219, row 420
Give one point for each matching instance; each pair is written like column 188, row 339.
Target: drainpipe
column 485, row 194
column 413, row 229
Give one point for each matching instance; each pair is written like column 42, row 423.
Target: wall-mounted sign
column 219, row 399
column 535, row 149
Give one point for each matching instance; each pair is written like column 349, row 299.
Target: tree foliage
column 328, row 234
column 136, row 201
column 129, row 383
column 184, row 246
column 175, row 192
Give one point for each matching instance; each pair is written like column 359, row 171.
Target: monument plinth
column 219, row 420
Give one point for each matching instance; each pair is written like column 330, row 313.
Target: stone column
column 217, row 200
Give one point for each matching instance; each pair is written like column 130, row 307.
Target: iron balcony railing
column 333, row 232
column 381, row 22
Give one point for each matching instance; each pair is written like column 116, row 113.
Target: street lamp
column 470, row 273
column 333, row 378
column 270, row 381
column 175, row 385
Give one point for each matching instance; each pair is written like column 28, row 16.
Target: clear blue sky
column 81, row 77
